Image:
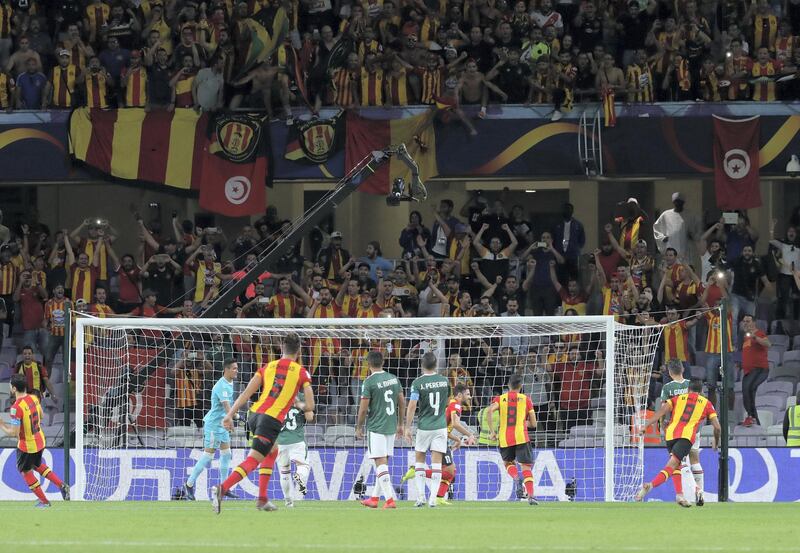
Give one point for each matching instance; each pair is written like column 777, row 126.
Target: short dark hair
column 447, row 202
column 228, row 362
column 375, row 359
column 459, row 388
column 696, row 385
column 674, row 366
column 515, row 382
column 27, row 346
column 673, row 250
column 19, row 383
column 429, row 361
column 290, row 343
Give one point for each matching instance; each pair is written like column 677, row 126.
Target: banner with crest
column 315, row 141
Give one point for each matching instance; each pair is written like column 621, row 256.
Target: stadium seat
column 779, row 340
column 340, row 436
column 789, row 368
column 754, row 430
column 775, row 441
column 775, row 430
column 737, row 387
column 54, row 435
column 8, row 441
column 766, row 417
column 315, row 436
column 761, row 325
column 775, row 400
column 793, row 355
column 782, row 387
column 748, row 441
column 149, row 438
column 791, row 400
column 586, row 431
column 5, row 372
column 581, row 442
column 700, row 359
column 183, row 436
column 774, row 357
column 57, row 418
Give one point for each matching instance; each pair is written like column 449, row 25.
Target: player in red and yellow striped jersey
column 688, row 411
column 279, row 382
column 134, row 80
column 676, row 337
column 516, row 414
column 26, row 414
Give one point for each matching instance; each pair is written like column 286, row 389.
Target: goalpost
column 143, row 387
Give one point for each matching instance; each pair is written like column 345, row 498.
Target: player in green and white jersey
column 381, row 402
column 430, row 392
column 676, row 387
column 292, row 449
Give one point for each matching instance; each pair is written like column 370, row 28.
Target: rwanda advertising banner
column 757, row 474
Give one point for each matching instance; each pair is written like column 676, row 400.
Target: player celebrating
column 381, row 401
column 292, row 449
column 430, row 390
column 279, row 382
column 516, row 414
column 679, row 386
column 215, row 436
column 25, row 416
column 688, row 411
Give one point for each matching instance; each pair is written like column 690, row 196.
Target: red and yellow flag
column 367, row 135
column 161, row 146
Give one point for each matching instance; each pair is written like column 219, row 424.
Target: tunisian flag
column 736, row 163
column 234, row 165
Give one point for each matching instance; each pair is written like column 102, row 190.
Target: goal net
column 144, row 386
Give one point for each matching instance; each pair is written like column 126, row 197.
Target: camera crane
column 400, row 192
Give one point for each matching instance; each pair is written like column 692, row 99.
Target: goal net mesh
column 144, row 386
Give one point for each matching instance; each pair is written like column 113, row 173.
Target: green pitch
column 349, row 527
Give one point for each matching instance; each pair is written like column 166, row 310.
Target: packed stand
column 188, row 54
column 487, row 260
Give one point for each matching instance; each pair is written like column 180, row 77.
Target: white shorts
column 380, row 445
column 288, row 453
column 431, row 440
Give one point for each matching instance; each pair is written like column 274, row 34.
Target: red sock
column 527, row 479
column 239, row 473
column 512, row 471
column 661, row 477
column 448, row 475
column 677, row 481
column 427, row 473
column 265, row 473
column 48, row 473
column 33, row 484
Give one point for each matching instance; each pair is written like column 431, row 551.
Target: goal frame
column 197, row 323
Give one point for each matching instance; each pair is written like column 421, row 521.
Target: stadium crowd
column 158, row 54
column 486, row 260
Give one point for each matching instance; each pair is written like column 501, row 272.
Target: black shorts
column 28, row 461
column 447, row 460
column 264, row 430
column 521, row 453
column 679, row 448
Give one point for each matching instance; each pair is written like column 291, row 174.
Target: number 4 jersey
column 432, row 392
column 382, row 390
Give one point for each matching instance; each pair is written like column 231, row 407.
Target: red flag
column 736, row 163
column 234, row 163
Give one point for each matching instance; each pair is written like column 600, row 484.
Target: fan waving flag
column 367, row 135
column 736, row 163
column 234, row 164
column 266, row 30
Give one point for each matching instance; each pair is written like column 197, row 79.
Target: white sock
column 286, row 482
column 302, row 472
column 699, row 477
column 384, row 482
column 420, row 481
column 436, row 479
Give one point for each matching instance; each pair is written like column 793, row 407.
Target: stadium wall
column 757, row 474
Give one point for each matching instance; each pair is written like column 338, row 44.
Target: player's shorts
column 431, row 440
column 28, row 461
column 521, row 453
column 696, row 444
column 679, row 448
column 214, row 436
column 265, row 430
column 447, row 460
column 289, row 453
column 379, row 445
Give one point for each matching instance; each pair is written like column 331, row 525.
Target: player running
column 381, row 401
column 688, row 411
column 279, row 381
column 516, row 414
column 677, row 387
column 292, row 449
column 25, row 416
column 215, row 436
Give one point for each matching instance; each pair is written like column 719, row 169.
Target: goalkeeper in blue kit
column 215, row 436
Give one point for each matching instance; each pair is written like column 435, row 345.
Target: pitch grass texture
column 348, row 527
